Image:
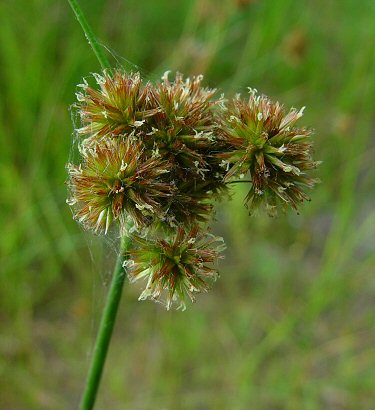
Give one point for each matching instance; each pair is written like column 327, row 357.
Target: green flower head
column 115, row 182
column 263, row 143
column 182, row 128
column 120, row 105
column 178, row 266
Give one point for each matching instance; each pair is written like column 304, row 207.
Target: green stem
column 91, row 38
column 105, row 330
column 108, row 318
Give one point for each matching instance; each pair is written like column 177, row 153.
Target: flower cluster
column 156, row 156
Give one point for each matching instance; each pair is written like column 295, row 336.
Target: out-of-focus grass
column 290, row 323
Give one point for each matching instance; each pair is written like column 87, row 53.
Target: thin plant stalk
column 89, row 34
column 106, row 326
column 108, row 318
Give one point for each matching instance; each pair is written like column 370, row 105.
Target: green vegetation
column 290, row 323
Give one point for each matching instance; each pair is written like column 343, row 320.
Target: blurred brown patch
column 294, row 46
column 343, row 124
column 80, row 308
column 241, row 4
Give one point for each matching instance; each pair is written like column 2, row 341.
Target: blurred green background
column 291, row 322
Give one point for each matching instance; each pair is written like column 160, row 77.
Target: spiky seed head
column 182, row 127
column 263, row 142
column 177, row 266
column 185, row 105
column 173, row 120
column 183, row 133
column 115, row 182
column 118, row 107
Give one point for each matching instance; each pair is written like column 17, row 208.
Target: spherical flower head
column 262, row 141
column 188, row 205
column 183, row 126
column 182, row 132
column 119, row 106
column 185, row 105
column 115, row 182
column 178, row 266
column 193, row 200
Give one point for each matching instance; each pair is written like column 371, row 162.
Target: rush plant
column 155, row 156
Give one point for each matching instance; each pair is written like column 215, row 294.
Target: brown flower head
column 182, row 132
column 115, row 181
column 119, row 107
column 263, row 141
column 178, row 266
column 182, row 128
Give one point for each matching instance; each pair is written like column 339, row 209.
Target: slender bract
column 91, row 38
